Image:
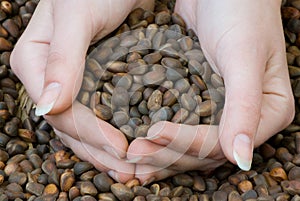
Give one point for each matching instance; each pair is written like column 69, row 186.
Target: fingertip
column 119, row 176
column 242, row 151
column 137, row 147
column 112, row 137
column 113, row 174
column 48, row 98
column 157, row 133
column 156, row 128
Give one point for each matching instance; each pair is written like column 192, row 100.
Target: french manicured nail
column 158, row 139
column 48, row 99
column 134, row 160
column 112, row 151
column 148, row 181
column 113, row 175
column 242, row 151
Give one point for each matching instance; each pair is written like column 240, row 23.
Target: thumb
column 243, row 78
column 65, row 64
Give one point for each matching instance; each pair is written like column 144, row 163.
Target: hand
column 173, row 148
column 49, row 59
column 243, row 41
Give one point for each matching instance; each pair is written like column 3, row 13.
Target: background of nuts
column 35, row 165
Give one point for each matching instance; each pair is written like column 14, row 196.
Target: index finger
column 29, row 57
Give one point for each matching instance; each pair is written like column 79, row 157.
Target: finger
column 199, row 141
column 142, row 151
column 80, row 150
column 243, row 77
column 185, row 9
column 148, row 174
column 278, row 108
column 29, row 57
column 118, row 169
column 97, row 133
column 72, row 33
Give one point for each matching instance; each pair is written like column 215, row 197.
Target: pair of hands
column 243, row 41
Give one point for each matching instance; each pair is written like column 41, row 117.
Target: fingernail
column 134, row 160
column 113, row 175
column 112, row 151
column 154, row 137
column 148, row 181
column 48, row 99
column 242, row 151
column 158, row 139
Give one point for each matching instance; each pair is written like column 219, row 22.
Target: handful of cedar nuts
column 151, row 70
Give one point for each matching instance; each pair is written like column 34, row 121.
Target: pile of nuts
column 35, row 165
column 151, row 71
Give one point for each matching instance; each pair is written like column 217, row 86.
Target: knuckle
column 14, row 58
column 289, row 110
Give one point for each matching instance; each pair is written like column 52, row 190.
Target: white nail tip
column 243, row 164
column 44, row 109
column 152, row 179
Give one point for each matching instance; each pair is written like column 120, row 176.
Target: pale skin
column 242, row 40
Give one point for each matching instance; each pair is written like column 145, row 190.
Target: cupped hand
column 49, row 59
column 172, row 148
column 243, row 42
